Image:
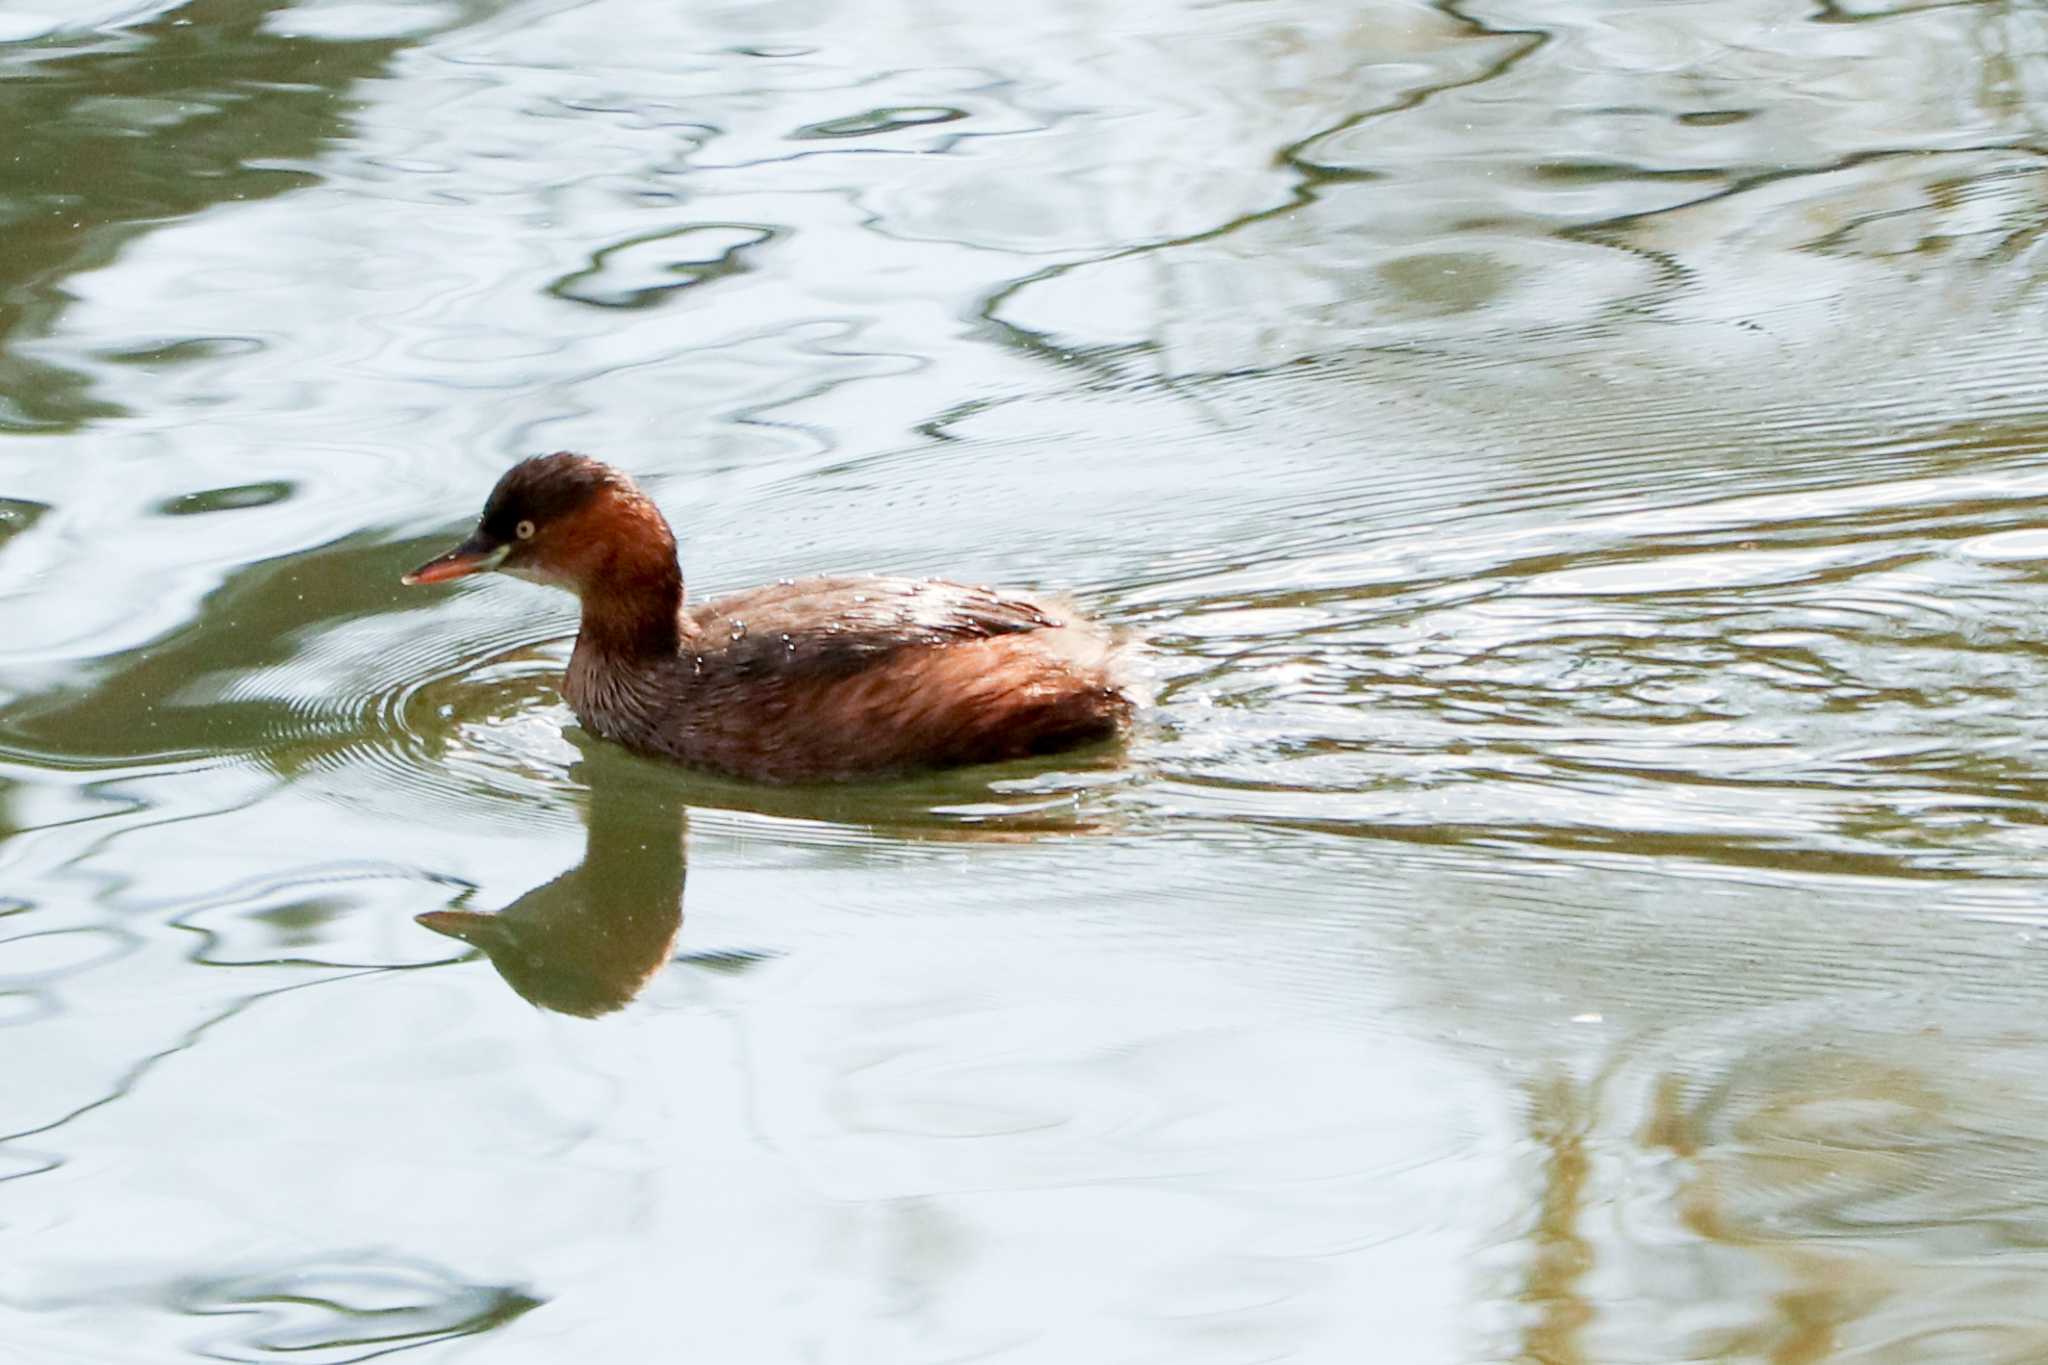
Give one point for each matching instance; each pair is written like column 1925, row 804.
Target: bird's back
column 840, row 677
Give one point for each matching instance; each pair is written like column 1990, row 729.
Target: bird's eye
column 524, row 530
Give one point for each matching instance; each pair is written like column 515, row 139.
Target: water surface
column 1574, row 898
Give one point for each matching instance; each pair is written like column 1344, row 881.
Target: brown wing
column 832, row 627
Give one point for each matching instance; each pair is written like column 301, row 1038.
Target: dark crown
column 545, row 487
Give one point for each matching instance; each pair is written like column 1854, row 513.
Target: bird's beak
column 478, row 554
column 467, row 925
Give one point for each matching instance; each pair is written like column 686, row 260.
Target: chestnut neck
column 632, row 591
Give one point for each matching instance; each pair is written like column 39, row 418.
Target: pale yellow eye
column 524, row 530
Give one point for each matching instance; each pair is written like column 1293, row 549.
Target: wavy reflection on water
column 153, row 132
column 1575, row 898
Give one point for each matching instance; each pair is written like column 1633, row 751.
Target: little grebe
column 827, row 678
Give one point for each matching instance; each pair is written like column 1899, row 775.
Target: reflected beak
column 467, row 925
column 478, row 554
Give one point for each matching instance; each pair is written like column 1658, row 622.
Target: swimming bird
column 814, row 679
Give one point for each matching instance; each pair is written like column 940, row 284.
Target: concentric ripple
column 379, row 713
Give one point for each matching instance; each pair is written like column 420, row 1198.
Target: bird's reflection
column 590, row 940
